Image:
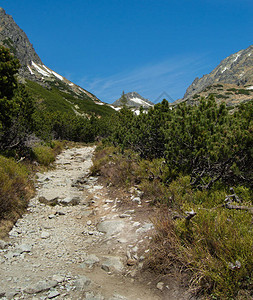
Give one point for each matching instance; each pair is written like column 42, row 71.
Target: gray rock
column 58, row 278
column 112, row 263
column 82, row 283
column 70, row 201
column 11, row 254
column 11, row 294
column 137, row 199
column 40, row 286
column 124, row 216
column 110, row 227
column 25, row 248
column 89, row 261
column 51, row 216
column 146, row 227
column 3, row 244
column 45, row 235
column 53, row 294
column 160, row 285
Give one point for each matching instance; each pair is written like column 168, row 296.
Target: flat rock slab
column 82, row 283
column 41, row 286
column 112, row 263
column 89, row 261
column 111, row 227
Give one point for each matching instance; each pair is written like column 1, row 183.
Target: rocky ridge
column 231, row 81
column 75, row 242
column 32, row 68
column 133, row 99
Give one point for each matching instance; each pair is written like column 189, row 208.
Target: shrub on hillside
column 14, row 188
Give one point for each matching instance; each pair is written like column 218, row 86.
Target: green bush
column 44, row 155
column 14, row 188
column 243, row 92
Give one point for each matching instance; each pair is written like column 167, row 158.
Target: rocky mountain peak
column 32, row 68
column 133, row 99
column 235, row 69
column 17, row 41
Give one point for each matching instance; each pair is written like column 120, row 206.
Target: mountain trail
column 75, row 243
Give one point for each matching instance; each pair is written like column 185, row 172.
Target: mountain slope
column 33, row 70
column 133, row 99
column 231, row 80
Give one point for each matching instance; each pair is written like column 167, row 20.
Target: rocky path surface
column 74, row 243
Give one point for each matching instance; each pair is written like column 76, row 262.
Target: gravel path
column 73, row 243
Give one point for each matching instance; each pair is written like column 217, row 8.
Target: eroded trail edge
column 74, row 242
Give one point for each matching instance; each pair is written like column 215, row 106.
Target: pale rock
column 24, row 248
column 110, row 227
column 160, row 285
column 58, row 278
column 3, row 244
column 53, row 294
column 45, row 235
column 82, row 283
column 40, row 286
column 112, row 263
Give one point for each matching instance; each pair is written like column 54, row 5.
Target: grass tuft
column 15, row 190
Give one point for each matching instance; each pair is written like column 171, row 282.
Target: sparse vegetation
column 15, row 190
column 243, row 92
column 186, row 160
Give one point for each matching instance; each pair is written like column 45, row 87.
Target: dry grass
column 15, row 190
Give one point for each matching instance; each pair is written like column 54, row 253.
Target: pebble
column 160, row 285
column 45, row 235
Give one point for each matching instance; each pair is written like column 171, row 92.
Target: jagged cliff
column 231, row 81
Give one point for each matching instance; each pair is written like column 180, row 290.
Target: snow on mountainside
column 133, row 99
column 32, row 68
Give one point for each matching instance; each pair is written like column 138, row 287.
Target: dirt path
column 79, row 247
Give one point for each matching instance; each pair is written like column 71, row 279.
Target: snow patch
column 224, row 70
column 115, row 108
column 139, row 101
column 250, row 87
column 40, row 70
column 53, row 73
column 237, row 55
column 71, row 84
column 57, row 75
column 30, row 70
column 99, row 103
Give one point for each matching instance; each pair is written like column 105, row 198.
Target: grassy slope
column 56, row 100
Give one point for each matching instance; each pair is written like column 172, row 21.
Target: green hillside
column 54, row 99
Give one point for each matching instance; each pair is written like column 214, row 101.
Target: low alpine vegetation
column 196, row 162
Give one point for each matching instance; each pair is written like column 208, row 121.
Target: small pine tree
column 123, row 99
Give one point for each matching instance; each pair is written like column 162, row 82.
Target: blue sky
column 147, row 46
